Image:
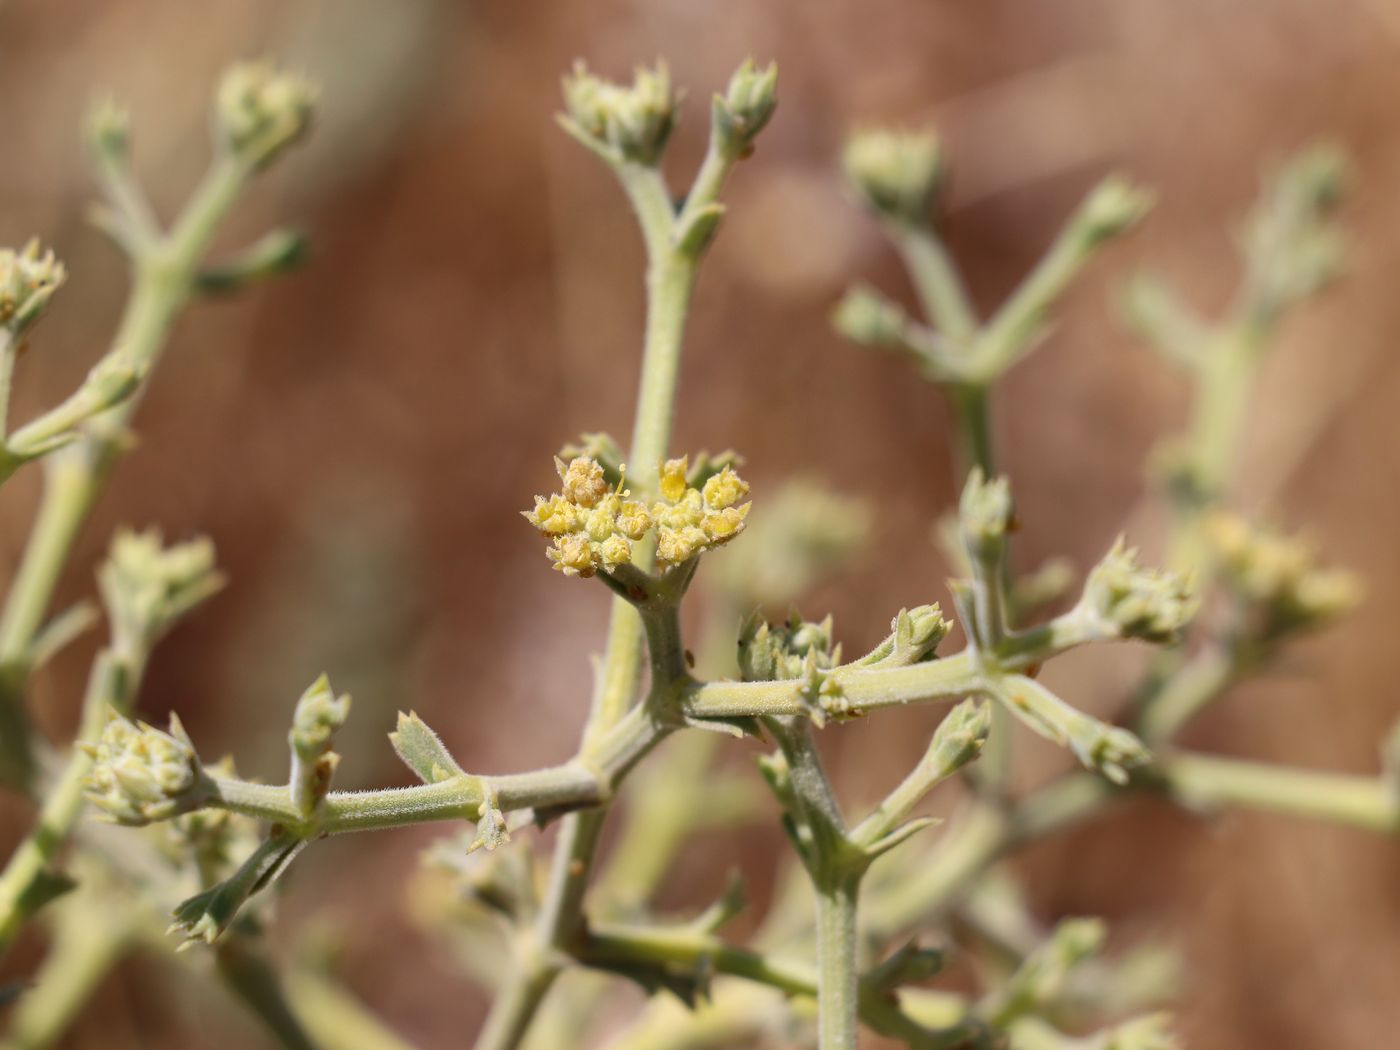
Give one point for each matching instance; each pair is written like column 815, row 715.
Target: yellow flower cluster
column 592, row 526
column 1280, row 573
column 690, row 521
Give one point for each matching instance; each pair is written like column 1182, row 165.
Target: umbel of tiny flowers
column 261, row 111
column 28, row 279
column 141, row 774
column 592, row 527
column 623, row 123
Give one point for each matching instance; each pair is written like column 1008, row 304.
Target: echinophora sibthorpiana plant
column 879, row 901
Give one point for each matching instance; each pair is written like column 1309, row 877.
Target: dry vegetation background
column 357, row 438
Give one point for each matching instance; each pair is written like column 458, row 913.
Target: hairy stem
column 76, row 476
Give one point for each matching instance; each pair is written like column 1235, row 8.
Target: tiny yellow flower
column 673, row 484
column 725, row 489
column 573, row 556
column 615, row 551
column 633, row 519
column 583, row 480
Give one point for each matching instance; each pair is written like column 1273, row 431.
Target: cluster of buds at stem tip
column 795, row 649
column 319, row 713
column 147, row 586
column 987, row 515
column 1126, row 600
column 914, row 637
column 1112, row 208
column 140, row 774
column 624, row 123
column 898, row 174
column 28, row 279
column 262, row 110
column 1278, row 578
column 1291, row 247
column 745, row 107
column 592, row 526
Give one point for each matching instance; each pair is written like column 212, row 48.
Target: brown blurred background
column 358, row 438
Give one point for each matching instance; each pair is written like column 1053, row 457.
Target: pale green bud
column 631, row 122
column 773, row 652
column 745, row 107
column 109, row 130
column 28, row 279
column 1134, row 602
column 914, row 636
column 319, row 713
column 1113, row 207
column 261, row 111
column 147, row 587
column 140, row 774
column 959, row 737
column 869, row 318
column 898, row 174
column 986, row 513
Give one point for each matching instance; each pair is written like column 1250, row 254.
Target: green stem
column 9, row 350
column 938, row 283
column 837, row 980
column 112, row 682
column 80, row 955
column 254, row 983
column 1208, row 781
column 336, row 1019
column 971, row 405
column 77, row 476
column 1188, row 690
column 1213, row 438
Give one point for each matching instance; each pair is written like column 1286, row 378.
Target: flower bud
column 631, row 122
column 745, row 107
column 140, row 774
column 869, row 318
column 985, row 513
column 1133, row 602
column 109, row 130
column 774, row 652
column 27, row 282
column 1113, row 207
column 959, row 737
column 319, row 713
column 898, row 174
column 261, row 111
column 147, row 587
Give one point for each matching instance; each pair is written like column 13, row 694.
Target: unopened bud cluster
column 774, row 652
column 898, row 174
column 28, row 279
column 1136, row 602
column 1279, row 575
column 634, row 121
column 592, row 526
column 262, row 111
column 141, row 774
column 147, row 587
column 746, row 106
column 986, row 513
